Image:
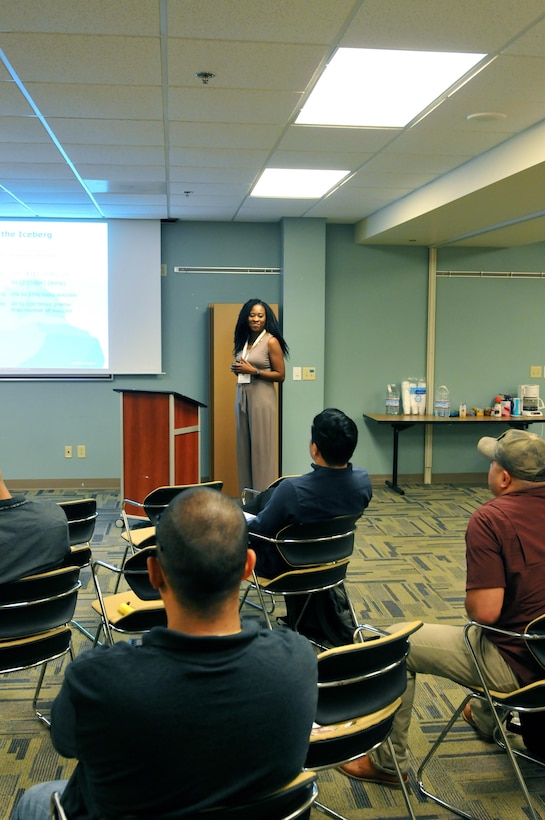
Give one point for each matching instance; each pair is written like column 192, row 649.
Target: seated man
column 207, row 711
column 505, row 587
column 33, row 535
column 333, row 487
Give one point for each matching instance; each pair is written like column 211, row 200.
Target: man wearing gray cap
column 505, row 586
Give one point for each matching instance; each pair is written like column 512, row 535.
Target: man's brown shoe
column 468, row 717
column 363, row 768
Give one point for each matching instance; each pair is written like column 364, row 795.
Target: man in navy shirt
column 333, row 487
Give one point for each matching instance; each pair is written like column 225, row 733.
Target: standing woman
column 259, row 349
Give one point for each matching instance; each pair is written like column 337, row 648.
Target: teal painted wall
column 488, row 335
column 376, row 313
column 303, row 253
column 361, row 310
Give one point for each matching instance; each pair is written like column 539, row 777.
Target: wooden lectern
column 160, row 441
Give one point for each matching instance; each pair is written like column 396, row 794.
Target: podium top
column 159, row 393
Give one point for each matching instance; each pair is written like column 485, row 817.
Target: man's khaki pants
column 441, row 650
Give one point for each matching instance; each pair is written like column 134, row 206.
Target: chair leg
column 39, row 714
column 96, row 641
column 431, row 754
column 331, row 813
column 127, row 548
column 504, row 744
column 83, row 630
column 263, row 606
column 400, row 778
column 244, row 600
column 515, row 766
column 328, row 811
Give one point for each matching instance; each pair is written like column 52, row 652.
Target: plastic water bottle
column 392, row 400
column 442, row 402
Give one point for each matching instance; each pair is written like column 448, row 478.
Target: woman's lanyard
column 245, row 348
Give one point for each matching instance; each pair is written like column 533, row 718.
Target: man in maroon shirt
column 505, row 586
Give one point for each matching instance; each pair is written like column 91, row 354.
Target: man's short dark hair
column 335, row 435
column 202, row 543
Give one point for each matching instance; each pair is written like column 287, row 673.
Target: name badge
column 244, row 378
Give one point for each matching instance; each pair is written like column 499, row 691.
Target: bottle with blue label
column 392, row 400
column 442, row 402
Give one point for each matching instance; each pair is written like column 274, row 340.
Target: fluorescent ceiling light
column 296, row 183
column 382, row 88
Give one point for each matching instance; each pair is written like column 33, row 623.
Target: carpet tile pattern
column 408, row 564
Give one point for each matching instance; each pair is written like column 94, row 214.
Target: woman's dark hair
column 271, row 326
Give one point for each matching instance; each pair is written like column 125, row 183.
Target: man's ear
column 249, row 565
column 155, row 572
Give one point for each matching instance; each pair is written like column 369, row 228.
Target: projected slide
column 54, row 296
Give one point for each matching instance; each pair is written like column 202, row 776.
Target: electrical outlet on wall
column 536, row 371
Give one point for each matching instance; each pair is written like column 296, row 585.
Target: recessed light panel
column 382, row 88
column 296, row 183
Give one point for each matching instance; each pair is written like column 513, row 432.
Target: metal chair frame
column 289, row 803
column 35, row 613
column 82, row 515
column 319, row 553
column 144, row 601
column 530, row 698
column 359, row 692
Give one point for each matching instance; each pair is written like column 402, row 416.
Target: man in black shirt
column 206, row 711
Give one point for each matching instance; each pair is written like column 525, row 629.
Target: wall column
column 303, row 250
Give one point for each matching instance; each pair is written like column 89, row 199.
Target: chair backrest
column 317, row 542
column 33, row 650
column 82, row 515
column 362, row 678
column 309, row 579
column 158, row 500
column 136, row 573
column 37, row 603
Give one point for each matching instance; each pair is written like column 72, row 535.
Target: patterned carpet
column 408, row 564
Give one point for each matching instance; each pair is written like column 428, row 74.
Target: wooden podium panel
column 160, row 434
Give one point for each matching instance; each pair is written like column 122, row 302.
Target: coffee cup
column 517, row 406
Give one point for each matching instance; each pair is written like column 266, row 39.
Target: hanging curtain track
column 498, row 274
column 183, row 269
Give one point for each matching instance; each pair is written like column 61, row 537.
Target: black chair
column 359, row 692
column 293, row 801
column 82, row 515
column 35, row 613
column 134, row 611
column 318, row 554
column 527, row 699
column 139, row 529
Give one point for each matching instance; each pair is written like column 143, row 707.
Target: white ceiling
column 106, row 91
